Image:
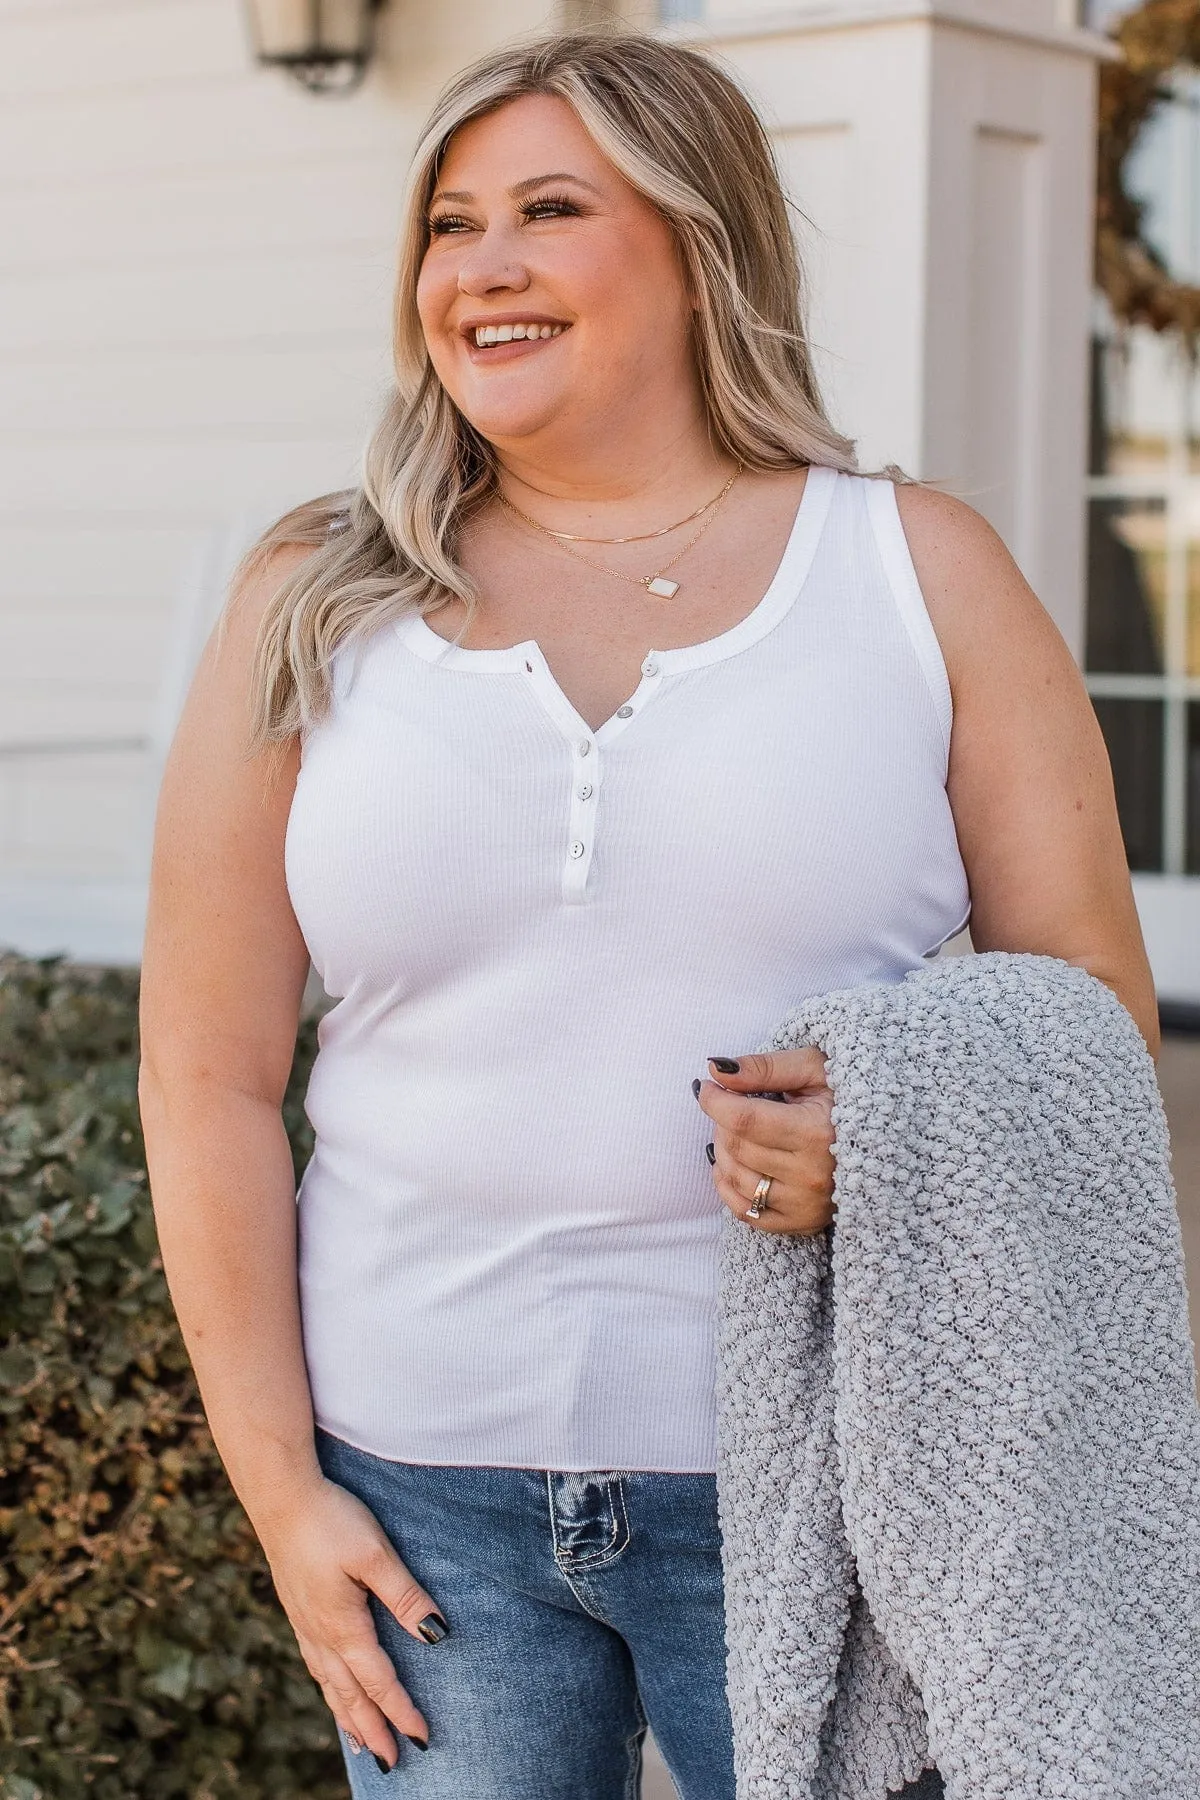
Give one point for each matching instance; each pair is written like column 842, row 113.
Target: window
column 1143, row 626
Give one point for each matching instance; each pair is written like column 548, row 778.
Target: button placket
column 585, row 754
column 651, row 671
column 586, row 782
column 581, row 824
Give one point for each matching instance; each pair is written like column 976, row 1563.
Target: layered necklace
column 657, row 583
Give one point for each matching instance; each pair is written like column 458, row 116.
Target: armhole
column 910, row 601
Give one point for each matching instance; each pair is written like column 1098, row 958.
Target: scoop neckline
column 781, row 595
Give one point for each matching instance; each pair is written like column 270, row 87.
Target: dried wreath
column 1156, row 38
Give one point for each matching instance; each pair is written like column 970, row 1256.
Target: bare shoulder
column 212, row 744
column 983, row 610
column 220, row 695
column 956, row 553
column 255, row 588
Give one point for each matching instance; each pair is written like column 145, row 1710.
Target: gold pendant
column 662, row 587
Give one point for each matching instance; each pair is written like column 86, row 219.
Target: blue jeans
column 581, row 1608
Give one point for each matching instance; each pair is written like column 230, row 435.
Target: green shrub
column 142, row 1651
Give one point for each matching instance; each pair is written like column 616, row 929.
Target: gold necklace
column 640, row 537
column 656, row 583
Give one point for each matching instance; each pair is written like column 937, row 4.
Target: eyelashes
column 552, row 203
column 545, row 206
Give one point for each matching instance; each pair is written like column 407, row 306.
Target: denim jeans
column 581, row 1607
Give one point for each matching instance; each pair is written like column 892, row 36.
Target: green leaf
column 17, row 1367
column 116, row 1208
column 40, row 1276
column 22, row 1130
column 100, row 1392
column 173, row 1673
column 16, row 1787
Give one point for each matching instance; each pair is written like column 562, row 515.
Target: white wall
column 195, row 273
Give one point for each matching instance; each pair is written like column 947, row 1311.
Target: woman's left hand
column 789, row 1138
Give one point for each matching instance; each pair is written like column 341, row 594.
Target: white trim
column 781, row 595
column 1072, row 40
column 897, row 560
column 1169, row 908
column 786, row 587
column 1144, row 687
column 89, row 921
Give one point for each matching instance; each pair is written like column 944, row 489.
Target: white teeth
column 507, row 334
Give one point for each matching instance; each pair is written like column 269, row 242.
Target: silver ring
column 755, row 1209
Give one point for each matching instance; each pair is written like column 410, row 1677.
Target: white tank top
column 536, row 933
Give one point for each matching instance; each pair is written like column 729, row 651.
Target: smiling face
column 551, row 297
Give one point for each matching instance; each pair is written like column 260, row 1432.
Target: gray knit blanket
column 959, row 1446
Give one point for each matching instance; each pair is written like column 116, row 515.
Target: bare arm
column 1029, row 781
column 223, row 975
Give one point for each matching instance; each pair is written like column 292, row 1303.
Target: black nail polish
column 384, row 1768
column 433, row 1628
column 420, row 1743
column 710, row 1153
column 696, row 1087
column 726, row 1065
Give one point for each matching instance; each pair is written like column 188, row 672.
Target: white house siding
column 195, row 274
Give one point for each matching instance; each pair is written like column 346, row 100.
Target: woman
column 609, row 719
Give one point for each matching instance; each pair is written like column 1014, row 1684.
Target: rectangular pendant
column 662, row 587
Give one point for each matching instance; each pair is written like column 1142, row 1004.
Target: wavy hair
column 683, row 134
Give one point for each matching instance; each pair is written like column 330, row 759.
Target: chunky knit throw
column 959, row 1463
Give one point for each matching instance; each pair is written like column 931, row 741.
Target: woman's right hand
column 327, row 1553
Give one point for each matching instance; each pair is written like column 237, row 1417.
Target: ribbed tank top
column 535, row 933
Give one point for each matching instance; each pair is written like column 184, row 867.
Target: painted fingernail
column 354, row 1743
column 696, row 1087
column 725, row 1065
column 710, row 1153
column 432, row 1628
column 383, row 1767
column 421, row 1743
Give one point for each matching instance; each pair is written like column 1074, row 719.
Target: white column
column 943, row 154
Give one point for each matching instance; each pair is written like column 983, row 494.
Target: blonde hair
column 686, row 137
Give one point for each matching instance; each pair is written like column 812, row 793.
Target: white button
column 583, row 746
column 649, row 667
column 624, row 712
column 585, row 792
column 577, row 848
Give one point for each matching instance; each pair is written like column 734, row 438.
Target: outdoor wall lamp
column 325, row 45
